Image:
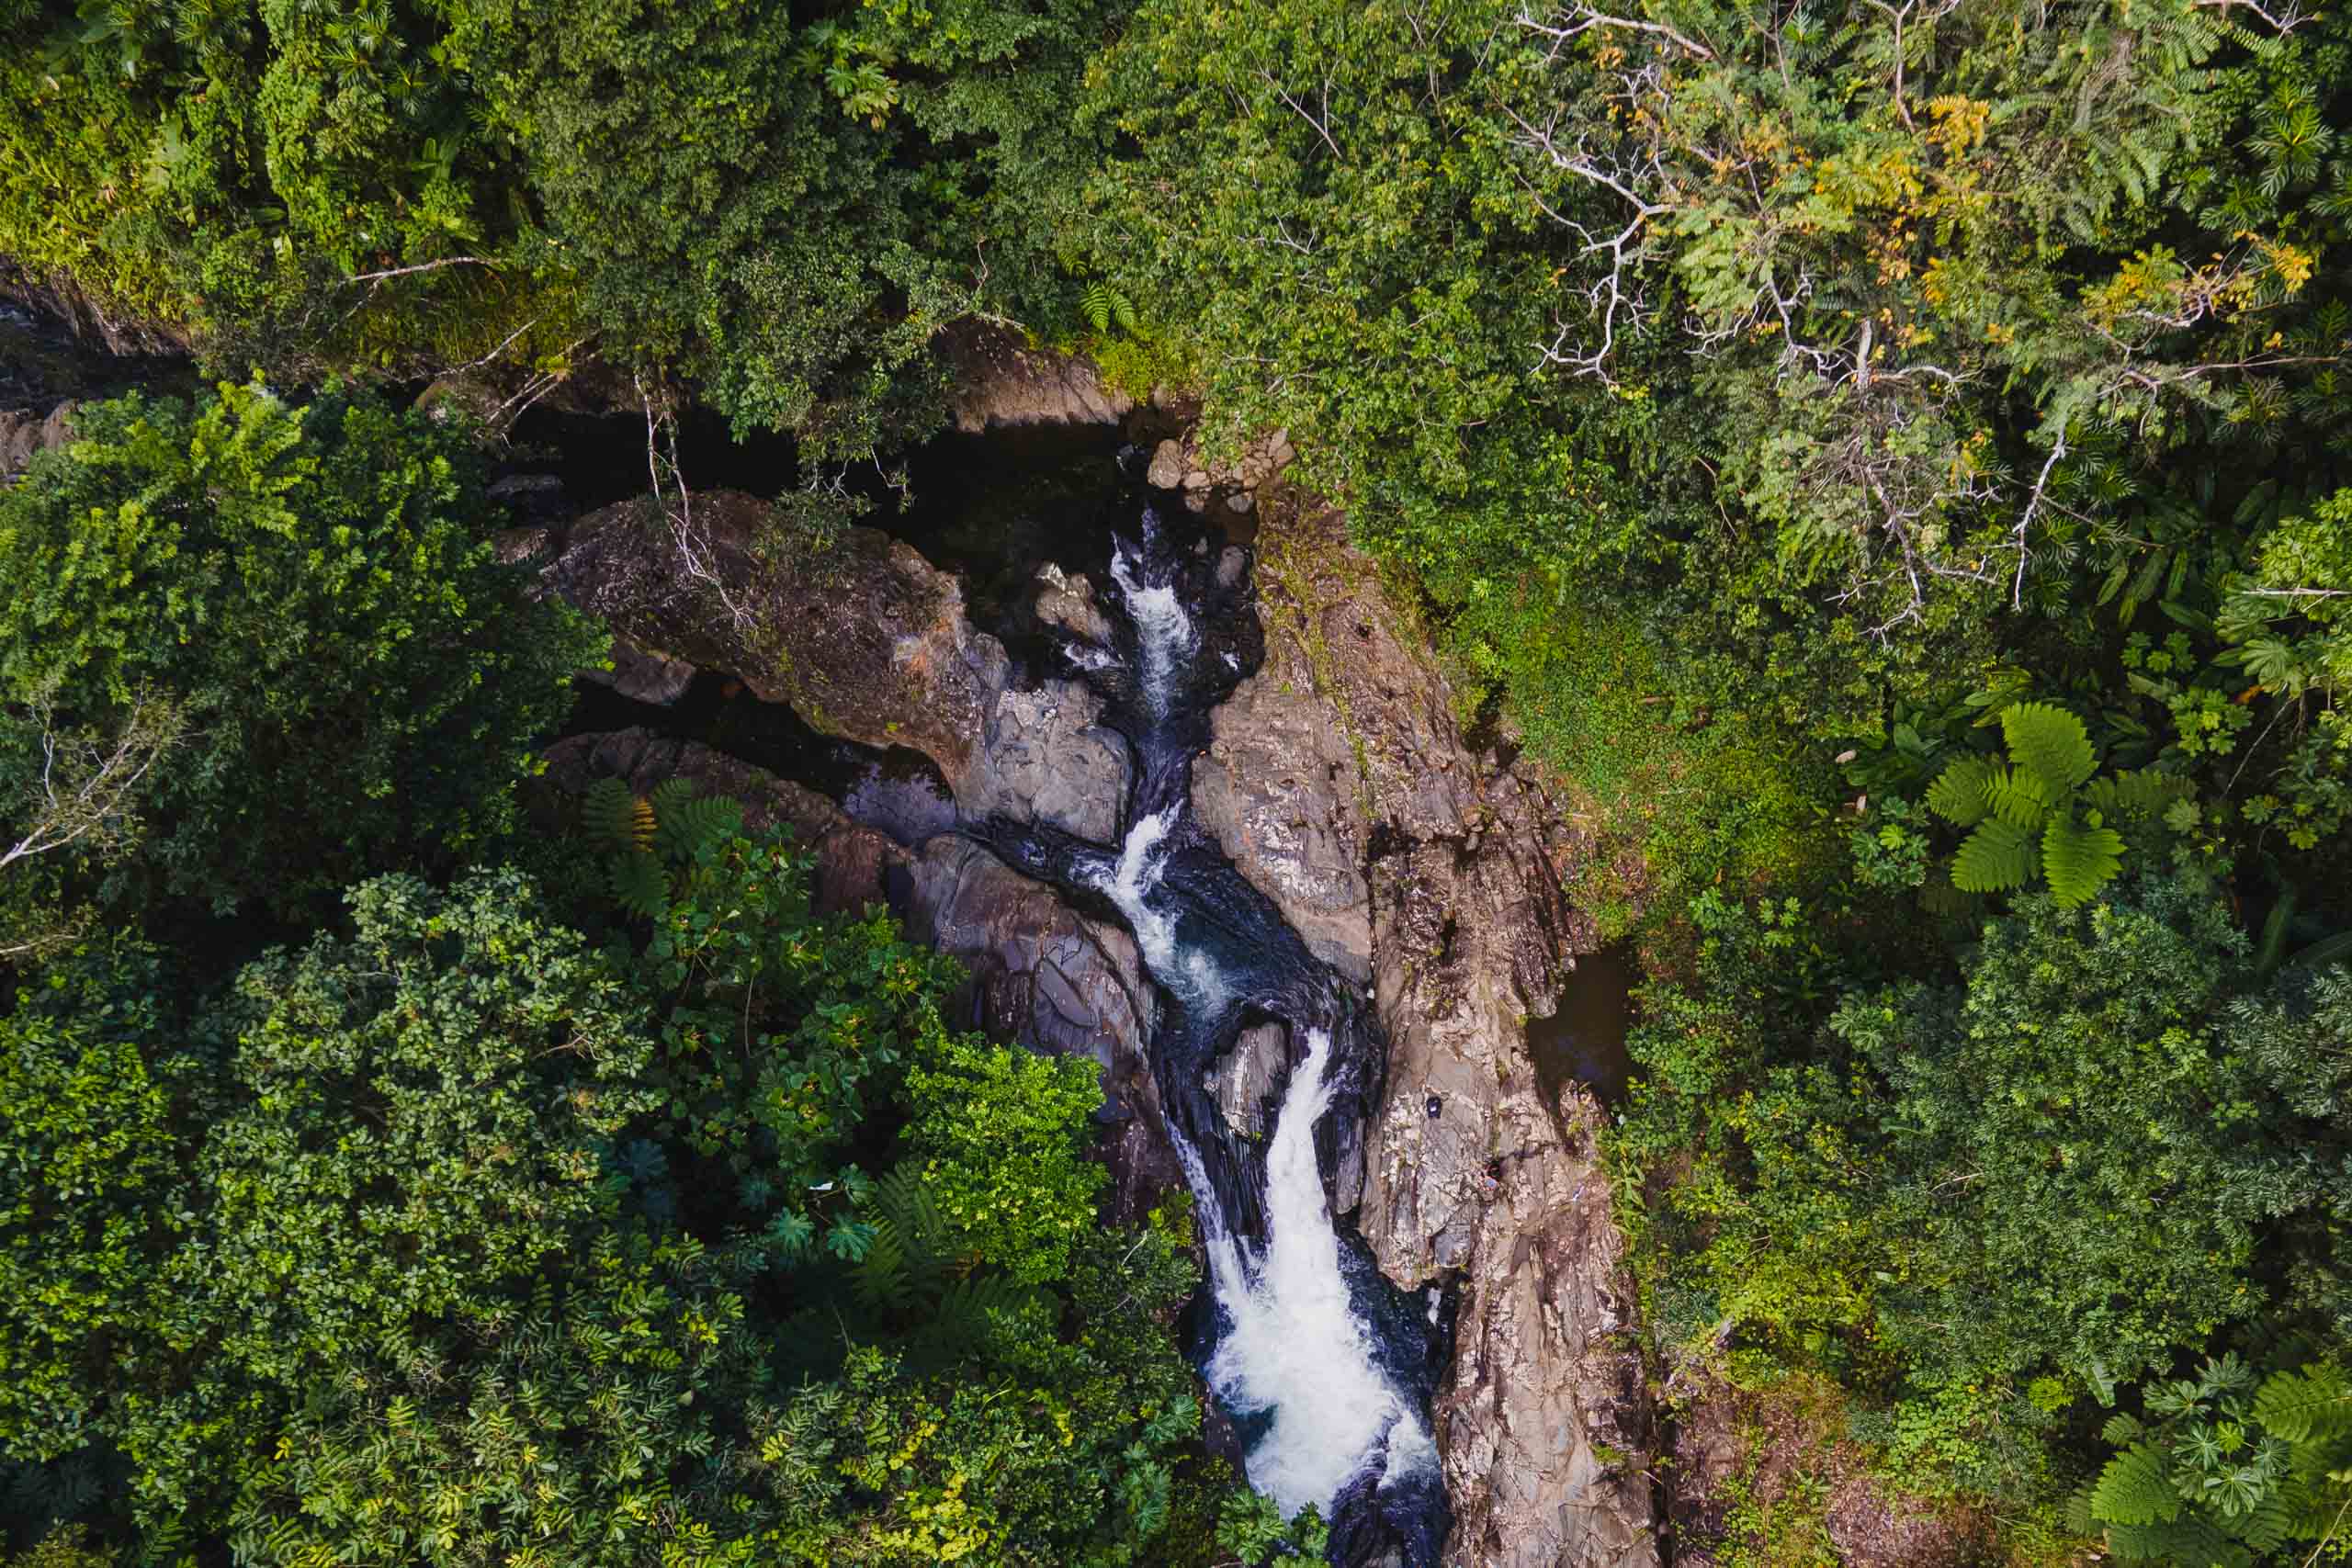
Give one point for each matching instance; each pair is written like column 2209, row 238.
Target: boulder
column 1338, row 782
column 643, row 675
column 866, row 640
column 1066, row 601
column 1000, row 382
column 1242, row 1082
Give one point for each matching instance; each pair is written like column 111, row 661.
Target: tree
column 2022, row 816
column 999, row 1133
column 103, row 1096
column 2080, row 1141
column 313, row 593
column 77, row 805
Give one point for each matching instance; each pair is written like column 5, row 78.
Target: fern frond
column 2188, row 1540
column 2019, row 797
column 608, row 814
column 2315, row 1404
column 1960, row 795
column 1094, row 302
column 689, row 821
column 2079, row 860
column 2141, row 792
column 638, row 885
column 1996, row 856
column 2135, row 1490
column 910, row 1256
column 2051, row 742
column 2271, row 1523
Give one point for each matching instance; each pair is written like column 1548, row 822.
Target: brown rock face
column 865, row 640
column 1001, row 383
column 1340, row 784
column 24, row 433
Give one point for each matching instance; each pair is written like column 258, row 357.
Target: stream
column 1324, row 1368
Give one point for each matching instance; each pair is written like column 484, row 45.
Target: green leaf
column 2301, row 1406
column 1996, row 856
column 2051, row 742
column 2133, row 1489
column 2019, row 797
column 2079, row 860
column 1960, row 795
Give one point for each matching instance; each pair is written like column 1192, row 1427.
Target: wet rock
column 866, row 640
column 1001, row 382
column 531, row 498
column 643, row 675
column 1167, row 470
column 1338, row 782
column 1243, row 1081
column 1044, row 759
column 1065, row 600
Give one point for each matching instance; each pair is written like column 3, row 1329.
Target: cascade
column 1324, row 1368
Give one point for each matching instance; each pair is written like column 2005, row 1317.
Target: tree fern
column 2079, row 859
column 1103, row 305
column 2019, row 797
column 1960, row 793
column 1995, row 858
column 2139, row 792
column 687, row 822
column 910, row 1258
column 2314, row 1405
column 2134, row 1488
column 638, row 883
column 2051, row 743
column 610, row 815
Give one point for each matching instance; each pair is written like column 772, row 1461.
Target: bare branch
column 1583, row 18
column 87, row 785
column 375, row 277
column 2283, row 20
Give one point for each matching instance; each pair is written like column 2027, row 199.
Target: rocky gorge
column 1411, row 859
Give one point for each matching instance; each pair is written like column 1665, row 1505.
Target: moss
column 1674, row 793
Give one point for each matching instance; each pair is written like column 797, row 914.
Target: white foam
column 1191, row 975
column 1162, row 627
column 1298, row 1351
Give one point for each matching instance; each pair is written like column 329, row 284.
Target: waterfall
column 1323, row 1367
column 1297, row 1352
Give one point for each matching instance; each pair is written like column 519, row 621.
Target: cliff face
column 1339, row 782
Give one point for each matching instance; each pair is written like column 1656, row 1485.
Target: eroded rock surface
column 1001, row 383
column 866, row 640
column 1339, row 782
column 25, row 432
